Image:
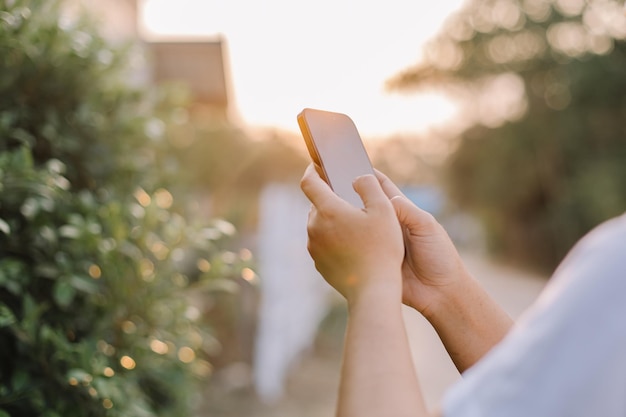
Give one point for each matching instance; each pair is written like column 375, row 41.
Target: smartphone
column 335, row 145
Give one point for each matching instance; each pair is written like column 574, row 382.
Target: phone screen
column 335, row 145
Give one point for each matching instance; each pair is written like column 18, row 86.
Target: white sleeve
column 566, row 356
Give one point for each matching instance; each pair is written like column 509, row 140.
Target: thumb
column 370, row 191
column 409, row 215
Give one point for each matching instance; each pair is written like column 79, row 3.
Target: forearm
column 378, row 377
column 436, row 284
column 469, row 322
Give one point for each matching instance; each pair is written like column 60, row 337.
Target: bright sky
column 336, row 55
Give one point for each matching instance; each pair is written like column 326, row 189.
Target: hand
column 432, row 265
column 356, row 250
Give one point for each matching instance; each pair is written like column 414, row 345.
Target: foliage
column 98, row 257
column 234, row 168
column 547, row 159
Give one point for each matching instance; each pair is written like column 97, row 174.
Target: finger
column 311, row 221
column 319, row 171
column 410, row 216
column 390, row 189
column 370, row 191
column 316, row 189
column 313, row 186
column 312, row 213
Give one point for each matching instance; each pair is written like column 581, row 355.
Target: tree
column 545, row 158
column 98, row 257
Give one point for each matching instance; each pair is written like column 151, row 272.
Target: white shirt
column 566, row 356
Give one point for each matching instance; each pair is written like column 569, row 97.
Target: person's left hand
column 356, row 250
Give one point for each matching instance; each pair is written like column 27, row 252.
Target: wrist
column 380, row 289
column 464, row 304
column 451, row 299
column 468, row 321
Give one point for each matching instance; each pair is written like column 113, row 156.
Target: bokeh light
column 128, row 327
column 127, row 362
column 159, row 347
column 94, row 271
column 186, row 354
column 142, row 197
column 248, row 274
column 163, row 198
column 203, row 265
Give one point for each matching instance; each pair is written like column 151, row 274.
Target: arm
column 436, row 283
column 377, row 375
column 360, row 253
column 468, row 321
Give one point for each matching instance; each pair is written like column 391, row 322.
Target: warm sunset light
column 286, row 55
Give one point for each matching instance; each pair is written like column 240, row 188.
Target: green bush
column 98, row 260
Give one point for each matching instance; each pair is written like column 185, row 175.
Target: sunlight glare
column 285, row 55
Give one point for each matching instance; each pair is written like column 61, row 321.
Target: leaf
column 79, row 374
column 31, row 311
column 25, row 138
column 47, row 270
column 12, row 275
column 63, row 293
column 83, row 284
column 30, row 208
column 69, row 231
column 20, row 380
column 221, row 285
column 13, row 287
column 4, row 227
column 225, row 227
column 105, row 387
column 7, row 317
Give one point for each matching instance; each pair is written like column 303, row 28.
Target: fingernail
column 362, row 176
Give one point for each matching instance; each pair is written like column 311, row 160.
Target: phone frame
column 338, row 137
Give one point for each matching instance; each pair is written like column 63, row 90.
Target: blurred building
column 200, row 65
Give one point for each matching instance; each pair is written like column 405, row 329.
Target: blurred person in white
column 565, row 357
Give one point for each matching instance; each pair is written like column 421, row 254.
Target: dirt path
column 513, row 289
column 311, row 392
column 312, row 387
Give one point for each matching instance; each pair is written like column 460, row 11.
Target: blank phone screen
column 335, row 144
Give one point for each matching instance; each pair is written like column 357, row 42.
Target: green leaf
column 69, row 231
column 63, row 293
column 13, row 287
column 20, row 380
column 7, row 317
column 79, row 374
column 4, row 227
column 47, row 270
column 12, row 275
column 221, row 285
column 24, row 137
column 84, row 284
column 30, row 317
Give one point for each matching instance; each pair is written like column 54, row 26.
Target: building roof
column 199, row 65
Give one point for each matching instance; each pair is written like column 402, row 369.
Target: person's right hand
column 436, row 283
column 432, row 267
